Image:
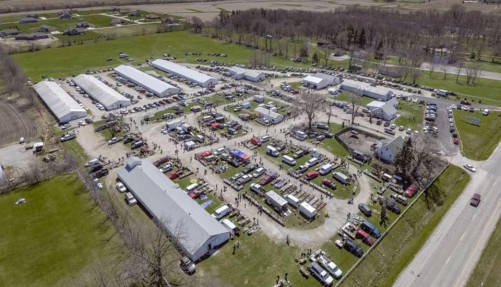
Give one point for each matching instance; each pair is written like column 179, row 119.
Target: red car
column 455, row 141
column 475, row 200
column 265, row 180
column 411, row 190
column 327, row 182
column 173, row 175
column 256, row 141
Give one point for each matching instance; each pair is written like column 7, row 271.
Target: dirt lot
column 15, row 124
column 361, row 142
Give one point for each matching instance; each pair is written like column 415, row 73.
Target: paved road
column 454, row 70
column 452, row 251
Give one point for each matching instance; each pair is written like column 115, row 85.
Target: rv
column 325, row 169
column 276, row 201
column 288, row 160
column 307, row 210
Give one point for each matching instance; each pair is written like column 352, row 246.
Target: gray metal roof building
column 195, row 231
column 251, row 75
column 201, row 79
column 151, row 84
column 100, row 92
column 62, row 105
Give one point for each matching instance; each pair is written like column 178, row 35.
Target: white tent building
column 238, row 73
column 100, row 92
column 320, row 81
column 273, row 117
column 384, row 110
column 365, row 89
column 200, row 79
column 62, row 105
column 157, row 87
column 195, row 231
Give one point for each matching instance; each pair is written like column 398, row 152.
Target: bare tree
column 355, row 104
column 328, row 111
column 309, row 104
column 460, row 65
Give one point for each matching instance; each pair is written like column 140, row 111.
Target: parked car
column 319, row 273
column 411, row 190
column 475, row 200
column 365, row 209
column 187, row 265
column 121, row 187
column 470, row 167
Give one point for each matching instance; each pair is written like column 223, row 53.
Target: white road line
column 462, row 237
column 447, row 260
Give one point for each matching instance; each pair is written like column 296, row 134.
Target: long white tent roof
column 181, row 70
column 182, row 216
column 59, row 102
column 151, row 83
column 100, row 91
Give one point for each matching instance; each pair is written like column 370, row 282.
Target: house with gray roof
column 194, row 230
column 388, row 149
column 384, row 110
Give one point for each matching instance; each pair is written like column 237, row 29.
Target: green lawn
column 478, row 142
column 410, row 233
column 488, row 91
column 60, row 24
column 487, row 271
column 345, row 96
column 62, row 62
column 411, row 115
column 74, row 147
column 52, row 238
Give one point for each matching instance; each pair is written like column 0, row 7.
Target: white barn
column 238, row 73
column 60, row 103
column 157, row 87
column 195, row 231
column 100, row 92
column 365, row 89
column 320, row 81
column 273, row 117
column 388, row 149
column 200, row 79
column 384, row 110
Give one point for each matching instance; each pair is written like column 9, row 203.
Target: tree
column 328, row 111
column 309, row 104
column 355, row 99
column 404, row 158
column 315, row 58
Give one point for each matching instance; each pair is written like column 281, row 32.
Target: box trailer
column 276, row 201
column 174, row 124
column 292, row 200
column 341, row 177
column 307, row 210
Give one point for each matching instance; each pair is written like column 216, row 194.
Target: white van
column 300, row 135
column 288, row 160
column 312, row 162
column 292, row 200
column 221, row 212
column 191, row 187
column 325, row 169
column 229, row 225
column 271, row 150
column 341, row 177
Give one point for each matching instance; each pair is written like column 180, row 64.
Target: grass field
column 60, row 24
column 411, row 115
column 487, row 91
column 53, row 237
column 347, row 96
column 410, row 233
column 478, row 142
column 62, row 62
column 487, row 271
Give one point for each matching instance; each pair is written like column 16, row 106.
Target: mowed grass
column 345, row 96
column 410, row 115
column 478, row 142
column 487, row 91
column 383, row 265
column 60, row 24
column 487, row 271
column 52, row 238
column 65, row 61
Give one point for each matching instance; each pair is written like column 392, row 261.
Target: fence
column 389, row 229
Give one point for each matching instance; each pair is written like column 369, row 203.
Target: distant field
column 52, row 238
column 478, row 142
column 410, row 233
column 63, row 62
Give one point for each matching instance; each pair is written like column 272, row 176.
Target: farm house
column 64, row 107
column 238, row 73
column 273, row 117
column 100, row 92
column 320, row 81
column 200, row 79
column 195, row 231
column 157, row 87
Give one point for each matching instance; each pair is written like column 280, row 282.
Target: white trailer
column 174, row 124
column 307, row 210
column 292, row 200
column 276, row 201
column 325, row 169
column 341, row 177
